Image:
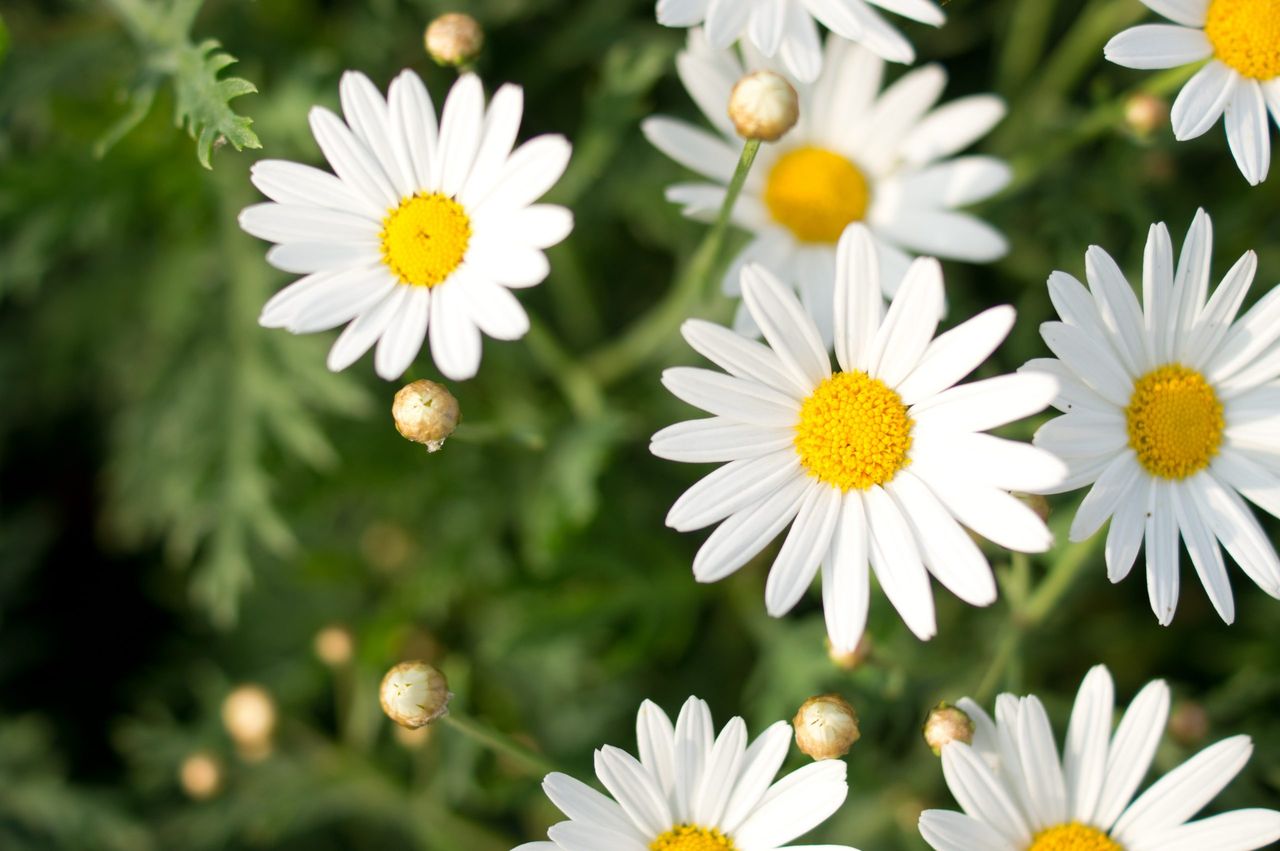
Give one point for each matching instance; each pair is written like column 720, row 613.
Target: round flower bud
column 426, row 413
column 826, row 727
column 249, row 716
column 764, row 106
column 1144, row 113
column 200, row 776
column 414, row 694
column 454, row 39
column 849, row 660
column 1188, row 723
column 334, row 646
column 947, row 724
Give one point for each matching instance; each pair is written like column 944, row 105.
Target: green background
column 188, row 498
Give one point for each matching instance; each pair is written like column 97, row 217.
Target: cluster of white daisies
column 881, row 461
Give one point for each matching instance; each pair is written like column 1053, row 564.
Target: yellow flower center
column 1246, row 35
column 1073, row 837
column 1175, row 421
column 688, row 837
column 425, row 239
column 815, row 194
column 854, row 432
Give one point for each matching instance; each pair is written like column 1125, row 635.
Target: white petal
column 455, row 339
column 795, row 805
column 947, row 550
column 845, row 576
column 954, row 183
column 1202, row 100
column 1213, row 322
column 895, row 558
column 1128, row 525
column 497, row 137
column 786, row 326
column 413, row 118
column 948, row 831
column 951, row 127
column 1158, row 46
column 1096, row 365
column 1005, row 464
column 1132, row 748
column 1239, row 830
column 655, row 740
column 731, row 488
column 808, row 541
column 581, row 803
column 981, row 795
column 493, row 309
column 1113, row 487
column 736, row 398
column 634, row 789
column 1203, row 548
column 992, row 513
column 759, row 766
column 528, row 174
column 402, row 340
column 716, row 439
column 367, row 115
column 305, row 257
column 858, row 302
column 909, row 325
column 1084, row 756
column 1160, row 309
column 1163, row 569
column 1190, row 13
column 743, row 358
column 992, row 402
column 306, row 223
column 294, row 183
column 1181, row 793
column 695, row 149
column 723, row 763
column 738, row 539
column 365, row 330
column 1119, row 309
column 352, row 161
column 460, row 124
column 1248, row 133
column 953, row 355
column 941, row 233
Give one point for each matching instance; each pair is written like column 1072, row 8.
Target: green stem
column 500, row 743
column 1026, row 618
column 616, row 360
column 579, row 386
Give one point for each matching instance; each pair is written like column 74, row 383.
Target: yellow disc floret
column 1245, row 34
column 425, row 239
column 1175, row 421
column 854, row 432
column 815, row 194
column 688, row 837
column 1073, row 837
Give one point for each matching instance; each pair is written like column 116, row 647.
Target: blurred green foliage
column 189, row 498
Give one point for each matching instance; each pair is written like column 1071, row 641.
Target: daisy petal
column 1202, row 101
column 1158, row 46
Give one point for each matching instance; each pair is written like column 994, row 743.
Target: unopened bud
column 414, row 694
column 426, row 413
column 454, row 39
column 947, row 724
column 334, row 646
column 764, row 106
column 1145, row 113
column 1188, row 723
column 1036, row 503
column 200, row 776
column 249, row 716
column 849, row 660
column 826, row 727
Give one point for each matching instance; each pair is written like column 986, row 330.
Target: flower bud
column 1188, row 723
column 249, row 716
column 414, row 694
column 1144, row 113
column 454, row 39
column 826, row 727
column 426, row 413
column 849, row 660
column 200, row 776
column 764, row 106
column 947, row 724
column 334, row 646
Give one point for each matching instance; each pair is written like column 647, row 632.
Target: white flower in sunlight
column 1018, row 796
column 788, row 29
column 1172, row 411
column 421, row 230
column 691, row 790
column 853, row 157
column 875, row 463
column 1241, row 39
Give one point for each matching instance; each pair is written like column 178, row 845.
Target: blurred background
column 192, row 507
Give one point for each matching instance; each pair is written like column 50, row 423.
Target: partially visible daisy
column 1172, row 412
column 788, row 29
column 855, row 156
column 877, row 464
column 421, row 230
column 1018, row 796
column 693, row 790
column 1241, row 39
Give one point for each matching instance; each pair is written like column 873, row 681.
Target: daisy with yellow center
column 1239, row 83
column 692, row 790
column 422, row 230
column 1171, row 409
column 1017, row 794
column 858, row 155
column 878, row 466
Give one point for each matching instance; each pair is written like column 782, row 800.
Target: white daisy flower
column 1017, row 795
column 1172, row 412
column 877, row 464
column 1241, row 39
column 788, row 29
column 692, row 790
column 422, row 229
column 854, row 156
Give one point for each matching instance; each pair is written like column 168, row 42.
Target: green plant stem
column 578, row 386
column 500, row 743
column 639, row 342
column 1026, row 618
